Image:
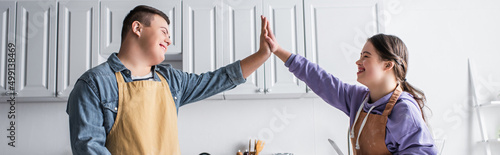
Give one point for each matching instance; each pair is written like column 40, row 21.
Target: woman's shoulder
column 406, row 117
column 406, row 104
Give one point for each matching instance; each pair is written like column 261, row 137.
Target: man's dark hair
column 142, row 13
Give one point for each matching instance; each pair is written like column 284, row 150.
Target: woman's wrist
column 282, row 54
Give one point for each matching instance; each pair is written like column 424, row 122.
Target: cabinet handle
column 11, row 93
column 309, row 89
column 260, row 90
column 59, row 93
column 267, row 90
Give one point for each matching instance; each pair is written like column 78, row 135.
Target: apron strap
column 119, row 77
column 162, row 79
column 392, row 101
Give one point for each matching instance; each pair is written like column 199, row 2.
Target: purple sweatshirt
column 406, row 131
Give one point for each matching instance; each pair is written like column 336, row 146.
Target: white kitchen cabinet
column 202, row 36
column 336, row 31
column 202, row 40
column 241, row 28
column 215, row 33
column 77, row 42
column 7, row 36
column 286, row 19
column 112, row 15
column 219, row 32
column 36, row 48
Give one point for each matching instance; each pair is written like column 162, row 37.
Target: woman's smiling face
column 370, row 66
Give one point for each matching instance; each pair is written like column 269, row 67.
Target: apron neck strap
column 119, row 77
column 392, row 101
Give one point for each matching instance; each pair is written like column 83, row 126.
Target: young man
column 128, row 105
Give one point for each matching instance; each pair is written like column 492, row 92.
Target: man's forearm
column 254, row 61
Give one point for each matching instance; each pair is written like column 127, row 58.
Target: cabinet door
column 202, row 41
column 336, row 31
column 241, row 30
column 286, row 19
column 36, row 48
column 77, row 42
column 113, row 13
column 7, row 36
column 202, row 36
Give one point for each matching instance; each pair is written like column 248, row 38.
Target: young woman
column 386, row 116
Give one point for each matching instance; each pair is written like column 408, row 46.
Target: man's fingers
column 263, row 22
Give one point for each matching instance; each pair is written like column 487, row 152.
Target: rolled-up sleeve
column 87, row 133
column 235, row 74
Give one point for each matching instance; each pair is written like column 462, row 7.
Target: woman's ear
column 388, row 65
column 137, row 28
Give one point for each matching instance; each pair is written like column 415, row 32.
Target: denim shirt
column 93, row 102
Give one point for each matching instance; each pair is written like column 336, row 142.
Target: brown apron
column 146, row 120
column 372, row 137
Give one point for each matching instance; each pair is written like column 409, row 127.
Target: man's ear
column 388, row 65
column 136, row 28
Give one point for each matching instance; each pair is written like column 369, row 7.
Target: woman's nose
column 168, row 41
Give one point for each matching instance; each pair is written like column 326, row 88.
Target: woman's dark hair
column 142, row 13
column 391, row 48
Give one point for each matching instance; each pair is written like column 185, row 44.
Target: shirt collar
column 117, row 66
column 115, row 63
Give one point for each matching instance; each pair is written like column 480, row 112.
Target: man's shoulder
column 168, row 71
column 164, row 67
column 100, row 71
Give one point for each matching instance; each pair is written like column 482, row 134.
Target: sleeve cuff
column 290, row 59
column 235, row 74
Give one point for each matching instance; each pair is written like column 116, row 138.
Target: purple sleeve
column 329, row 88
column 408, row 129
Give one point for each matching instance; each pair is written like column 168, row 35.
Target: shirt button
column 175, row 98
column 116, row 108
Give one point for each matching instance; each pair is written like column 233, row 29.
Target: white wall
column 440, row 35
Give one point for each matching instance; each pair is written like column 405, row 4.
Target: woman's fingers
column 268, row 27
column 271, row 43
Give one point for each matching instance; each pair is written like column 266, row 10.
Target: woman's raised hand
column 272, row 42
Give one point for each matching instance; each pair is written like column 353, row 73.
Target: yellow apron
column 146, row 120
